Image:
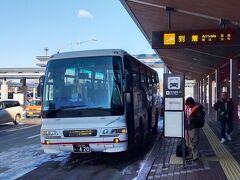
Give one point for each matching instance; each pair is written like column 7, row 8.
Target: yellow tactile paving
column 175, row 160
column 211, row 158
column 229, row 165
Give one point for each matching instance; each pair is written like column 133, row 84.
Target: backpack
column 201, row 121
column 179, row 150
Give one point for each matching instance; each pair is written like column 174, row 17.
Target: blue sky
column 28, row 26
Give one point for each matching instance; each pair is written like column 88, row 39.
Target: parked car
column 33, row 109
column 10, row 111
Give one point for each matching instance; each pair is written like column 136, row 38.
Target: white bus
column 97, row 101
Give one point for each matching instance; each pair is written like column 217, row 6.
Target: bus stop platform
column 217, row 161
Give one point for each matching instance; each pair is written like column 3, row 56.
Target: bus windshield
column 85, row 86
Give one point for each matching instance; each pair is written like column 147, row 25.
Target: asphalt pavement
column 21, row 156
column 25, row 133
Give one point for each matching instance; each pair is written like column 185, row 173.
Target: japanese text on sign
column 195, row 38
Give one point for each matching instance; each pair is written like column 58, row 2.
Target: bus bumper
column 106, row 144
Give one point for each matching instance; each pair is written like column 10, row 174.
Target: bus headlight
column 50, row 134
column 113, row 131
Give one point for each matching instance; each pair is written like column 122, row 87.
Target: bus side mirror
column 126, row 82
column 40, row 86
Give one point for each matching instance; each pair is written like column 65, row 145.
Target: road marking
column 18, row 128
column 30, row 137
column 229, row 165
column 11, row 130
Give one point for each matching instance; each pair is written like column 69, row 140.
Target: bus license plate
column 83, row 148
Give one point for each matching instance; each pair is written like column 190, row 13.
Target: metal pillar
column 210, row 78
column 214, row 92
column 201, row 91
column 195, row 92
column 24, row 90
column 205, row 92
column 16, row 90
column 34, row 93
column 218, row 85
column 218, row 88
column 198, row 91
column 4, row 89
column 234, row 91
column 165, row 69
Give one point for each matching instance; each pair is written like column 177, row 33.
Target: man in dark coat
column 224, row 107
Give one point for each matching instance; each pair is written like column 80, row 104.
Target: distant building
column 151, row 60
column 42, row 60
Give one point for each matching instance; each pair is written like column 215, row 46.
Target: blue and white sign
column 174, row 105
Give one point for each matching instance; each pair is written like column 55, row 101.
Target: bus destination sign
column 199, row 38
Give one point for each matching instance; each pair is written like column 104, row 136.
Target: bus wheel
column 17, row 119
column 155, row 127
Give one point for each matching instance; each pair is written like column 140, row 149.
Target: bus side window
column 143, row 82
column 133, row 69
column 135, row 81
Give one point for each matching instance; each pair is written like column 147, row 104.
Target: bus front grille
column 79, row 133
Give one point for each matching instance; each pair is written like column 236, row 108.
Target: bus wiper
column 68, row 107
column 104, row 109
column 51, row 111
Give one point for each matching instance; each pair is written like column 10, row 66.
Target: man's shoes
column 228, row 137
column 189, row 158
column 195, row 160
column 222, row 140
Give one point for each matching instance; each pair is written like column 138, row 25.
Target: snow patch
column 142, row 163
column 19, row 161
column 127, row 170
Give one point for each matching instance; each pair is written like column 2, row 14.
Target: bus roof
column 97, row 52
column 89, row 53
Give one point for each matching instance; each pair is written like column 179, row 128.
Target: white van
column 10, row 111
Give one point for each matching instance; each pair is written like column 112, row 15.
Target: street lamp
column 81, row 42
column 46, row 50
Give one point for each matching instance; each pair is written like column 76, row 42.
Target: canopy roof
column 196, row 63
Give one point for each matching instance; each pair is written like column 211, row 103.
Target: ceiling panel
column 227, row 9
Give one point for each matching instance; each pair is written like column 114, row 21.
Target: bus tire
column 17, row 119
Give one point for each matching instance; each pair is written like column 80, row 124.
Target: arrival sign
column 195, row 38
